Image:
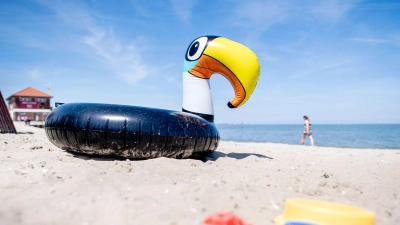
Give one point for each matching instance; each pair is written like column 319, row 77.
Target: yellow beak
column 234, row 61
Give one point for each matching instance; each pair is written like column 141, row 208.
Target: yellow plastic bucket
column 318, row 212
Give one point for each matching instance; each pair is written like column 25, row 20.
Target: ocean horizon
column 375, row 136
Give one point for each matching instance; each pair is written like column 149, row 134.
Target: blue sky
column 335, row 61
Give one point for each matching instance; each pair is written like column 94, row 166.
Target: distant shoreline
column 319, row 146
column 363, row 136
column 300, row 124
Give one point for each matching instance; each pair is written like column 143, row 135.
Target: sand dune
column 41, row 184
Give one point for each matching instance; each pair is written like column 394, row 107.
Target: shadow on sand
column 25, row 132
column 235, row 155
column 209, row 157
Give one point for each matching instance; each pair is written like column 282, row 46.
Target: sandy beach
column 42, row 184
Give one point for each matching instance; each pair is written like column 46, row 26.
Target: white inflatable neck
column 197, row 95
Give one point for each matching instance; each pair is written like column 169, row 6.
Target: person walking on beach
column 307, row 131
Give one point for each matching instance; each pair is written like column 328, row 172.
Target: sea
column 375, row 136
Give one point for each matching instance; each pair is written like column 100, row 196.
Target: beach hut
column 29, row 104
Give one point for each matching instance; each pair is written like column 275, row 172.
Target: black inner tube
column 130, row 131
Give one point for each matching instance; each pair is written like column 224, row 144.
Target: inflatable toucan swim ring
column 140, row 132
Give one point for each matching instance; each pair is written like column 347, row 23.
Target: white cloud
column 34, row 73
column 183, row 8
column 260, row 15
column 266, row 57
column 333, row 10
column 321, row 66
column 372, row 40
column 124, row 58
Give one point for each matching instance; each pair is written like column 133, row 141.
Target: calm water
column 352, row 136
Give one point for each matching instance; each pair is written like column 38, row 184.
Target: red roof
column 30, row 92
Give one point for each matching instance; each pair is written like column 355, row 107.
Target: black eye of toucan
column 193, row 49
column 197, row 47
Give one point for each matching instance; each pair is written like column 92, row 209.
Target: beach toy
column 224, row 218
column 140, row 132
column 299, row 223
column 315, row 212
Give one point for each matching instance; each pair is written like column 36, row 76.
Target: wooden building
column 29, row 103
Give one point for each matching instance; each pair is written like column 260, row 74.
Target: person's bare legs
column 303, row 138
column 311, row 140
